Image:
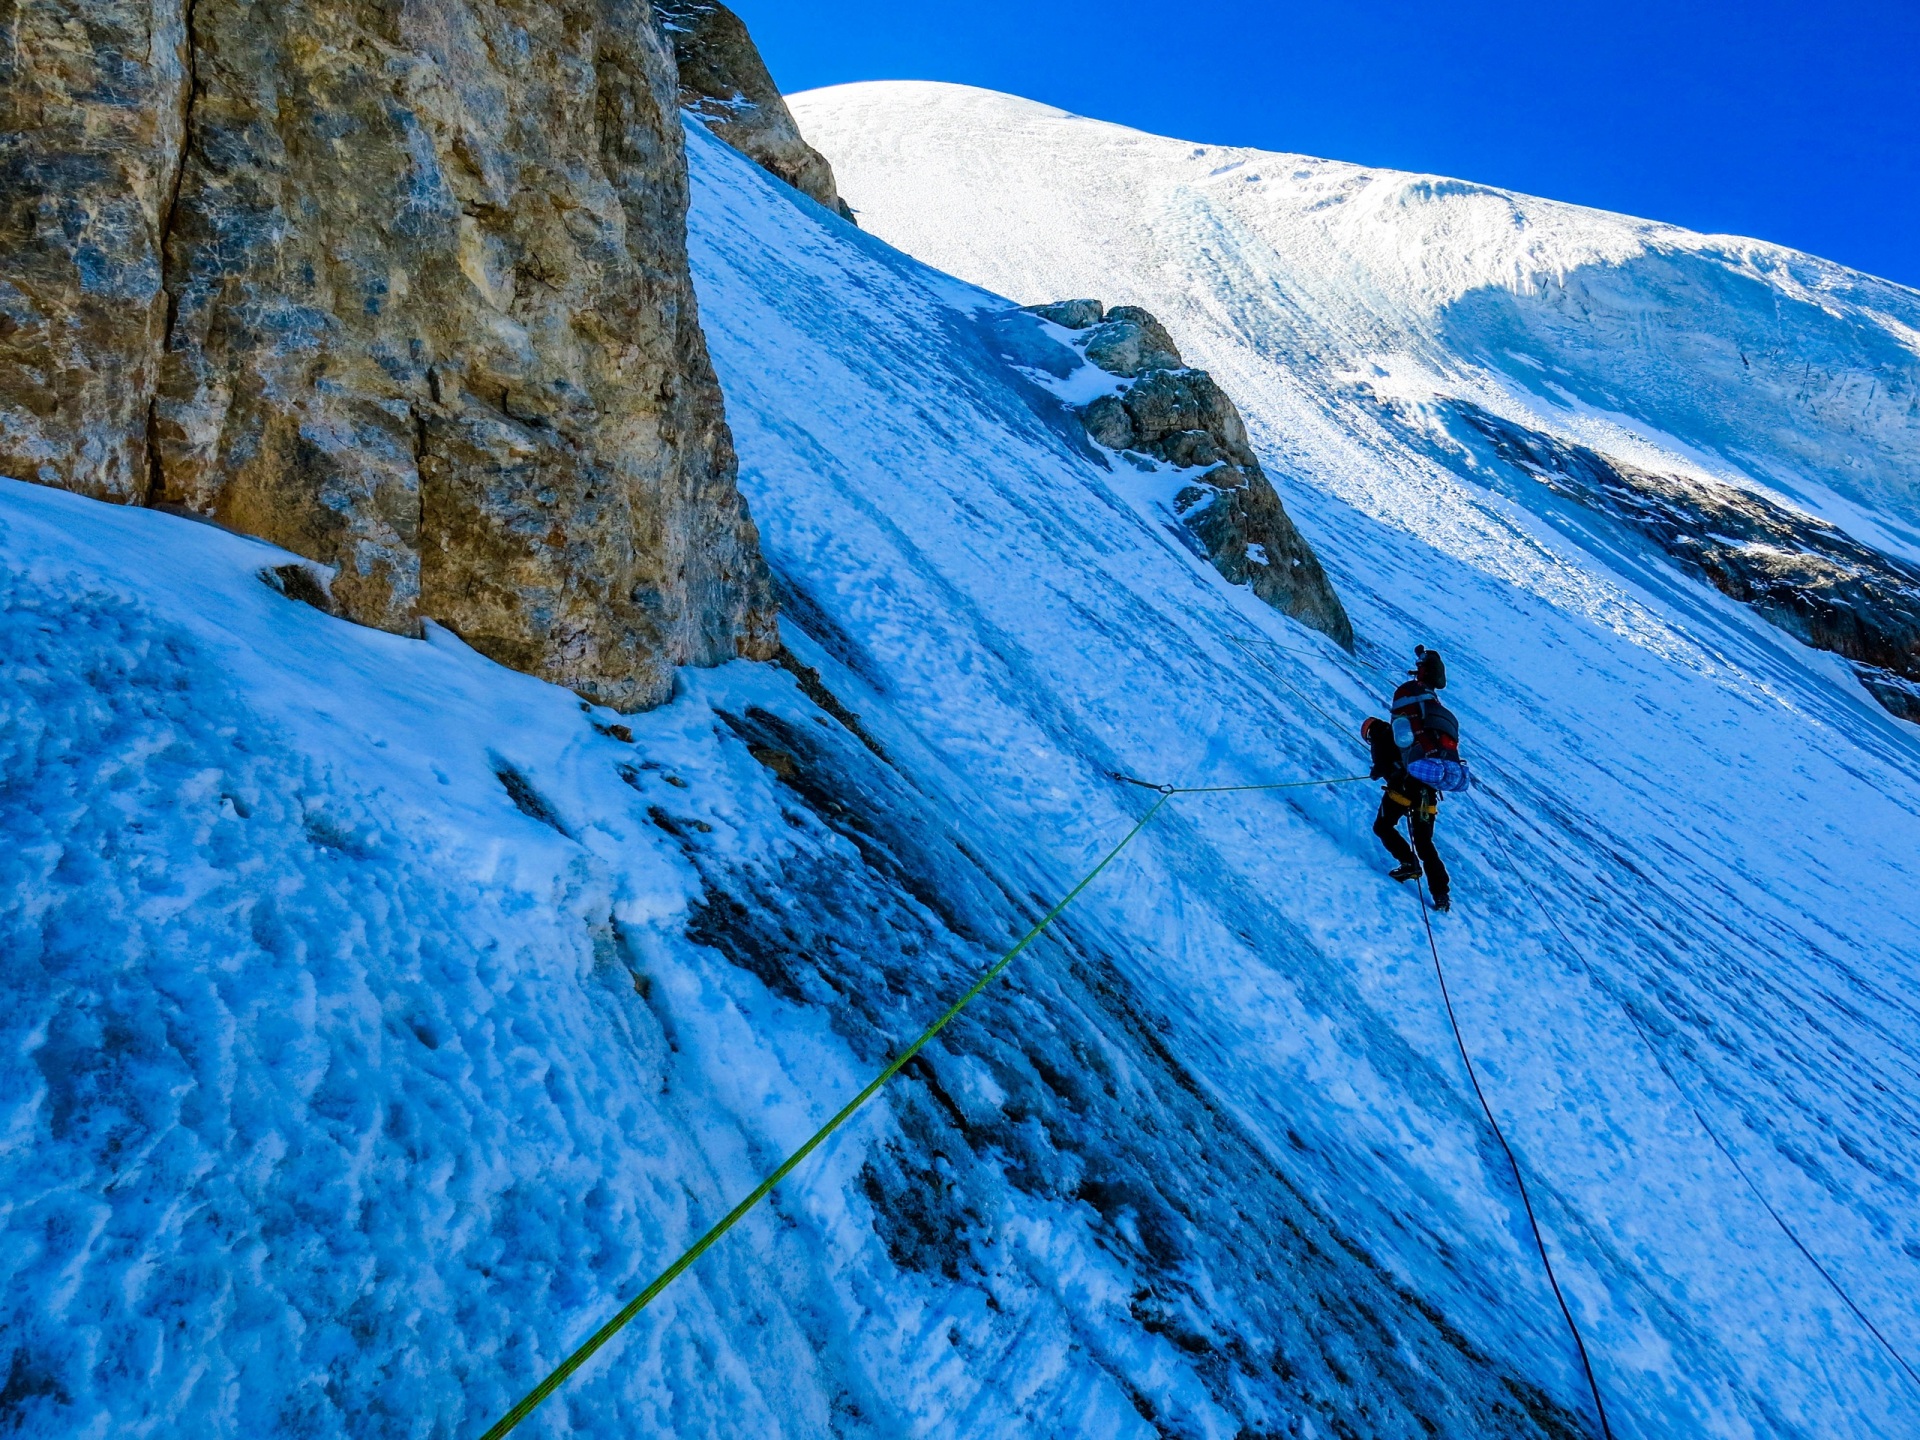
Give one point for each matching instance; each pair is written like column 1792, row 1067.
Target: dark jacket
column 1386, row 754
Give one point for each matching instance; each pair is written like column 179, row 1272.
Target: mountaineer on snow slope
column 1418, row 755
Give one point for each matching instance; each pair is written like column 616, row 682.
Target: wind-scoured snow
column 1296, row 278
column 1660, row 758
column 378, row 1020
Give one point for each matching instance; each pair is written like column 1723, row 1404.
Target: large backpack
column 1427, row 732
column 1423, row 727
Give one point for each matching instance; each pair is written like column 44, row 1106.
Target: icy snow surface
column 1720, row 819
column 1320, row 291
column 378, row 1019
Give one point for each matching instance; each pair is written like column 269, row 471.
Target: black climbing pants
column 1419, row 805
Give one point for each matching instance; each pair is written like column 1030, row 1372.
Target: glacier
column 381, row 1019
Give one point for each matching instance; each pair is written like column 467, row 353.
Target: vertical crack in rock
column 156, row 487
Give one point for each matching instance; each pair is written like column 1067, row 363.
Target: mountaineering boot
column 1408, row 871
column 1443, row 903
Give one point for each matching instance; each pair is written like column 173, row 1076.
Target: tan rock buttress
column 431, row 323
column 93, row 98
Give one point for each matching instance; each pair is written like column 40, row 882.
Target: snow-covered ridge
column 1627, row 335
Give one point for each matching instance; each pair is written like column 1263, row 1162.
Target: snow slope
column 1318, row 290
column 1339, row 306
column 378, row 1019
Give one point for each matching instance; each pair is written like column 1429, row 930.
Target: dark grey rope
column 1519, row 1179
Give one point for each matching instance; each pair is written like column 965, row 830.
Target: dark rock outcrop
column 404, row 290
column 726, row 84
column 1073, row 314
column 1169, row 407
column 1125, row 340
column 1812, row 580
column 1179, row 416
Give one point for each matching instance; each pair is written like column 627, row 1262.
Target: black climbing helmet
column 1428, row 668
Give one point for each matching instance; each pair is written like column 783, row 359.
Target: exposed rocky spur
column 1170, row 413
column 725, row 83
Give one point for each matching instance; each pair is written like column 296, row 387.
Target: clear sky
column 1796, row 121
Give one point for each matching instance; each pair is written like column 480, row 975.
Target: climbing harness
column 1526, row 1201
column 1712, row 1134
column 531, row 1401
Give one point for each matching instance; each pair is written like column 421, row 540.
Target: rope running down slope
column 559, row 1375
column 1711, row 1133
column 1533, row 1223
column 562, row 1372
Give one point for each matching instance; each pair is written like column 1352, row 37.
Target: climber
column 1418, row 755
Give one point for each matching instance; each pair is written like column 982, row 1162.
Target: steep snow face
column 377, row 1020
column 1323, row 290
column 1694, row 824
column 1651, row 744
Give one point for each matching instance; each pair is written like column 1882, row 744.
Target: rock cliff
column 1179, row 417
column 726, row 84
column 401, row 288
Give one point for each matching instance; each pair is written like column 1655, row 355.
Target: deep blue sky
column 1796, row 121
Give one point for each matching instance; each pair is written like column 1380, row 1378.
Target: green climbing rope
column 531, row 1401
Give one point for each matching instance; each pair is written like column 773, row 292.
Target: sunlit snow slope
column 377, row 1020
column 1323, row 293
column 1658, row 749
